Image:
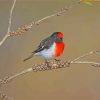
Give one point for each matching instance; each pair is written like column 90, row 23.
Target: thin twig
column 26, row 28
column 19, row 74
column 4, row 96
column 87, row 54
column 85, row 62
column 97, row 52
column 53, row 65
column 44, row 67
column 9, row 24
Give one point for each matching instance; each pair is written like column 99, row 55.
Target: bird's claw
column 57, row 60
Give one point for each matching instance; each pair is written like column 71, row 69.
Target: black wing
column 44, row 44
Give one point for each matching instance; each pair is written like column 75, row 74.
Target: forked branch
column 53, row 65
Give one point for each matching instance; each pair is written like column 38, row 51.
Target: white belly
column 47, row 53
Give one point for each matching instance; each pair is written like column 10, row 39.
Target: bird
column 50, row 47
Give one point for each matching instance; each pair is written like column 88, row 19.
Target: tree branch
column 87, row 54
column 53, row 65
column 9, row 24
column 4, row 96
column 26, row 28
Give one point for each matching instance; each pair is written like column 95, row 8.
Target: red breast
column 59, row 48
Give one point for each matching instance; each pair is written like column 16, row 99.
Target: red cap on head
column 60, row 35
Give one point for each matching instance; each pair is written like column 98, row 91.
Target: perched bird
column 50, row 47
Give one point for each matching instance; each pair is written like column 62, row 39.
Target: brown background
column 81, row 28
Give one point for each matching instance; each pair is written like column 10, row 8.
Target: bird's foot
column 57, row 60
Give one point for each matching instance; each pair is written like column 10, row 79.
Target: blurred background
column 81, row 28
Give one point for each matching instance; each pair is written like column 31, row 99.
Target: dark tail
column 29, row 57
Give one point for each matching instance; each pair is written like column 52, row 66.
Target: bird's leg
column 57, row 60
column 47, row 63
